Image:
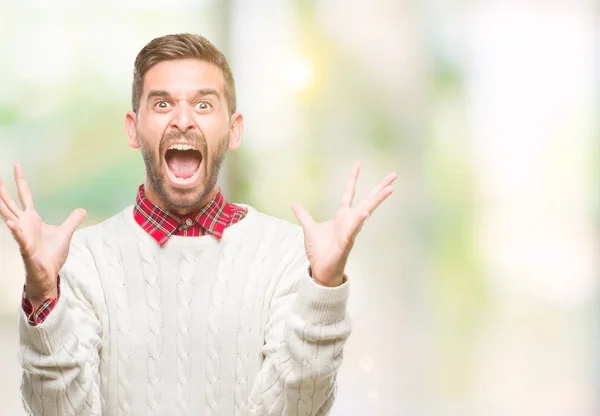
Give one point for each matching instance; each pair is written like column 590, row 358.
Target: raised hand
column 328, row 243
column 44, row 247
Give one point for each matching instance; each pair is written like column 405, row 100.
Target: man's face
column 183, row 128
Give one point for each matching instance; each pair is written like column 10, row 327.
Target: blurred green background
column 475, row 286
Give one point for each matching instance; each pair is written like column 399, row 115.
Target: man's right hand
column 44, row 247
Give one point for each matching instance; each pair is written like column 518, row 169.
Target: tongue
column 183, row 163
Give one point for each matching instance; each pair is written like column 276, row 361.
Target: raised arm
column 308, row 325
column 59, row 356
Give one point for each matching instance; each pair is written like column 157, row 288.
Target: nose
column 182, row 118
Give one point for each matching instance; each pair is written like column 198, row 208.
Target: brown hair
column 180, row 46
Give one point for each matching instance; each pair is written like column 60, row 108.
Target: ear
column 132, row 137
column 236, row 127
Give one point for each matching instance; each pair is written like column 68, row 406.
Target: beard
column 183, row 201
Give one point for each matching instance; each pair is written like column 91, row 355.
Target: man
column 184, row 303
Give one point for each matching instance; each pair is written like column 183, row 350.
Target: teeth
column 182, row 147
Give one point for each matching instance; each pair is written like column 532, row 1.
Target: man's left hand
column 328, row 243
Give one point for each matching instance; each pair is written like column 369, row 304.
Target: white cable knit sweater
column 197, row 327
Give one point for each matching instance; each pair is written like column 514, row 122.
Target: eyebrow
column 203, row 92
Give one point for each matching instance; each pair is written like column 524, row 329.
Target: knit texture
column 196, row 327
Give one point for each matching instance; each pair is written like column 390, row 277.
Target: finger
column 350, row 187
column 359, row 221
column 73, row 221
column 389, row 178
column 378, row 199
column 23, row 187
column 306, row 220
column 8, row 202
column 363, row 215
column 6, row 213
column 18, row 234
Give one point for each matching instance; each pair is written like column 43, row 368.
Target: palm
column 328, row 244
column 48, row 246
column 44, row 247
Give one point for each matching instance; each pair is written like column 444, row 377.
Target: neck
column 159, row 201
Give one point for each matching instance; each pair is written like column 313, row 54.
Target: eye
column 204, row 106
column 161, row 105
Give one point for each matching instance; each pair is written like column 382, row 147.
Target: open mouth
column 183, row 163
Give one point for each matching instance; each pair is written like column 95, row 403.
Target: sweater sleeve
column 60, row 356
column 304, row 336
